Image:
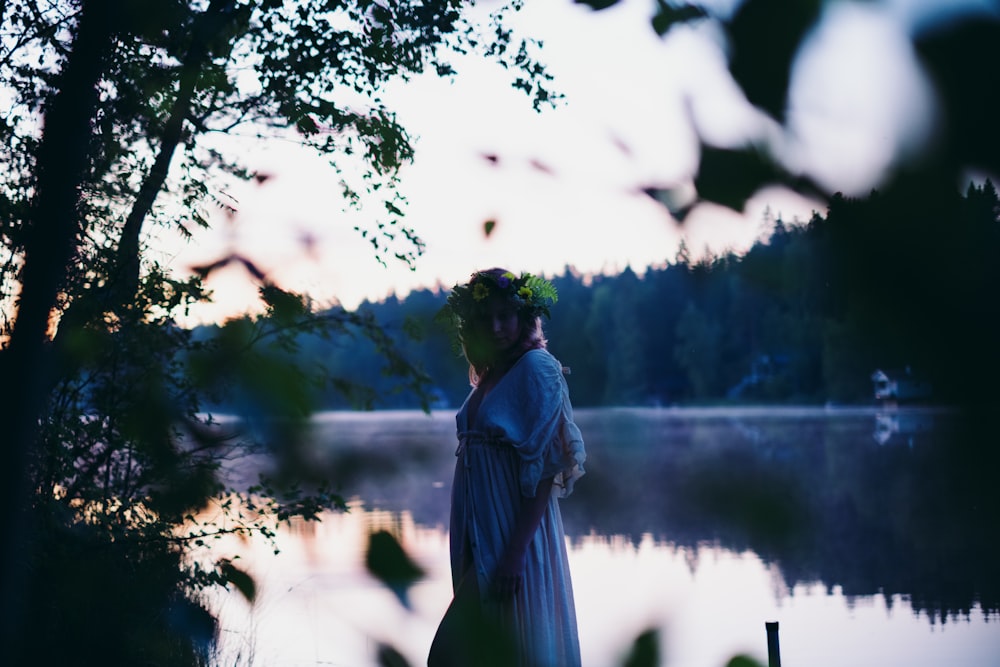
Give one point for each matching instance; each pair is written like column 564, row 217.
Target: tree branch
column 27, row 36
column 208, row 25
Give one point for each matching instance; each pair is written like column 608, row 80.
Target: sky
column 565, row 189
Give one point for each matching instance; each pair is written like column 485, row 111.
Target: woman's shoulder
column 540, row 360
column 540, row 355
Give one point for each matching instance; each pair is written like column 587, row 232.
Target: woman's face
column 501, row 325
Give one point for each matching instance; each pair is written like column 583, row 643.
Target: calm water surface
column 870, row 537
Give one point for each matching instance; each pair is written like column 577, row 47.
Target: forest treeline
column 806, row 315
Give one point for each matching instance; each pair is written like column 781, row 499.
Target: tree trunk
column 49, row 246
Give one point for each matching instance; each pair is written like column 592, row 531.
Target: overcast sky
column 566, row 187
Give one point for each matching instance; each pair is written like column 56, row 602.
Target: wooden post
column 773, row 652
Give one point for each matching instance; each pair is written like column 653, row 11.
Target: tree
column 567, row 338
column 627, row 359
column 597, row 330
column 697, row 351
column 121, row 118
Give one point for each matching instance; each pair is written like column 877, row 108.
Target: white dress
column 523, row 433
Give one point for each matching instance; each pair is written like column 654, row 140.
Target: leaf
column 729, row 177
column 251, row 268
column 597, row 5
column 764, row 38
column 243, row 582
column 667, row 16
column 283, row 306
column 743, row 661
column 388, row 562
column 414, row 328
column 203, row 270
column 307, row 125
column 645, row 650
column 390, row 657
column 545, row 292
column 538, row 165
column 678, row 202
column 488, row 227
column 959, row 57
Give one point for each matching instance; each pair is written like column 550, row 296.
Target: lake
column 869, row 536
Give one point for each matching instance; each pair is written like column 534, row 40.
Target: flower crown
column 532, row 295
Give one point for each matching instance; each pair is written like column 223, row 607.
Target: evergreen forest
column 805, row 316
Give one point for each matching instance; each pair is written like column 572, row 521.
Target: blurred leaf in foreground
column 387, row 561
column 645, row 650
column 390, row 657
column 243, row 582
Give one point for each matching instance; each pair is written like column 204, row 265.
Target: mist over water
column 869, row 535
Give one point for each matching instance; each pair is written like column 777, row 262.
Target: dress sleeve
column 541, row 427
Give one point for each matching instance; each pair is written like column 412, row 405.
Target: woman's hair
column 478, row 350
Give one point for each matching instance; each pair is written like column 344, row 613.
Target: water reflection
column 704, row 523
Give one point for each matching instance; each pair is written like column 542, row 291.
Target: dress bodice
column 529, row 408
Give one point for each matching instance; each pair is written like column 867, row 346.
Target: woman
column 519, row 451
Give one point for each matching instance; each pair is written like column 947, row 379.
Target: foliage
column 763, row 41
column 743, row 661
column 386, row 559
column 121, row 120
column 645, row 650
column 806, row 315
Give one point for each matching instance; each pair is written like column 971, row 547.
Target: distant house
column 899, row 386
